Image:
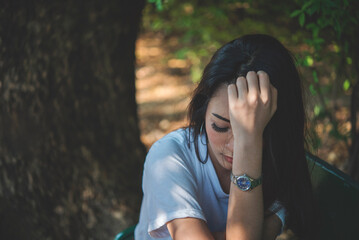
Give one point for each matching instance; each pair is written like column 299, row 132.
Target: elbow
column 244, row 231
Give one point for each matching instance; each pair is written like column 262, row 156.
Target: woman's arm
column 189, row 228
column 252, row 103
column 194, row 228
column 271, row 228
column 245, row 209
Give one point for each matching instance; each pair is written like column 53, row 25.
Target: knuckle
column 253, row 102
column 265, row 101
column 253, row 98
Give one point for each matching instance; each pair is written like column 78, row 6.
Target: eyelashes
column 219, row 129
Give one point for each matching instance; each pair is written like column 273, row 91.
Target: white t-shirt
column 177, row 185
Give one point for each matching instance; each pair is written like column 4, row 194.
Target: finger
column 264, row 86
column 242, row 87
column 274, row 94
column 232, row 93
column 252, row 80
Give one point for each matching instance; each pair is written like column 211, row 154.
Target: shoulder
column 170, row 163
column 177, row 138
column 174, row 143
column 171, row 149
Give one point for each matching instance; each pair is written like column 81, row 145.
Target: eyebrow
column 220, row 117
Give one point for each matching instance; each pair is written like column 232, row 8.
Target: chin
column 229, row 168
column 226, row 165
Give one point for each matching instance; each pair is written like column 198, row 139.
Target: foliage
column 203, row 26
column 334, row 34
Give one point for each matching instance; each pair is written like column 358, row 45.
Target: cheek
column 217, row 140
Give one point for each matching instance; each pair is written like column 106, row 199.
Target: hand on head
column 252, row 103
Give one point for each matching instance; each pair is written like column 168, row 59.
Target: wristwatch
column 244, row 182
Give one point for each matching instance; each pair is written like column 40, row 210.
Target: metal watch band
column 244, row 182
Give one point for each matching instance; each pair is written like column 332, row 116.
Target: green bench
column 338, row 202
column 127, row 234
column 337, row 196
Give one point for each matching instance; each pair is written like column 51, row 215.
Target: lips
column 228, row 159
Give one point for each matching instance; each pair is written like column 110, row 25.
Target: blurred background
column 86, row 88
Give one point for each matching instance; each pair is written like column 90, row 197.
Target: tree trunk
column 70, row 153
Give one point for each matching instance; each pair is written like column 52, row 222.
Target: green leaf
column 317, row 110
column 349, row 60
column 302, row 19
column 318, row 40
column 312, row 90
column 346, row 85
column 315, row 32
column 159, row 5
column 295, row 13
column 346, row 47
column 196, row 74
column 157, row 24
column 336, row 48
column 181, row 53
column 315, row 77
column 338, row 28
column 311, row 26
column 310, row 11
column 307, row 4
column 309, row 61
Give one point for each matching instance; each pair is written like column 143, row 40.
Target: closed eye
column 219, row 129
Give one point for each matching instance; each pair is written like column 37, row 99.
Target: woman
column 238, row 171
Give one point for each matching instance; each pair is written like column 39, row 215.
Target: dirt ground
column 163, row 88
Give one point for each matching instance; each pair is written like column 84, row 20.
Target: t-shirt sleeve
column 169, row 186
column 280, row 211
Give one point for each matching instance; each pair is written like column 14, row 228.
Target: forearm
column 245, row 209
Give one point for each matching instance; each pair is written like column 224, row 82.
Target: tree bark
column 70, row 153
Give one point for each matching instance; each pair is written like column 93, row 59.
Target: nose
column 230, row 142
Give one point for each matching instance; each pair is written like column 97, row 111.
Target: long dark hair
column 285, row 171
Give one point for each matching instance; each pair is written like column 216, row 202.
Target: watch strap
column 256, row 182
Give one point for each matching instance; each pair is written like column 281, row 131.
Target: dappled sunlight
column 332, row 149
column 162, row 93
column 177, row 63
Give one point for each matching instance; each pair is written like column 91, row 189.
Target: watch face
column 243, row 183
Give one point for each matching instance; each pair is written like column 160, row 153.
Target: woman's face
column 219, row 132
